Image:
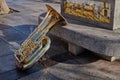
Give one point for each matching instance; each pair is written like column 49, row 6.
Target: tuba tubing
column 38, row 54
column 37, row 43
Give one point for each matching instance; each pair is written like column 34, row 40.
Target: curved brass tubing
column 37, row 43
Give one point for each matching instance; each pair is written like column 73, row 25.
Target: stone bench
column 80, row 36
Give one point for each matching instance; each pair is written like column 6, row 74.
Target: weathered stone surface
column 75, row 49
column 116, row 19
column 7, row 63
column 16, row 74
column 40, row 75
column 5, row 48
column 84, row 69
column 3, row 26
column 26, row 29
column 98, row 40
column 12, row 36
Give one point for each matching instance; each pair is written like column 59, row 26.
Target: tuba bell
column 37, row 43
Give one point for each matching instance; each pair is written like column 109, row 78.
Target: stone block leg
column 109, row 58
column 113, row 58
column 74, row 49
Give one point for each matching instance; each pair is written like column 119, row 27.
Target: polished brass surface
column 36, row 45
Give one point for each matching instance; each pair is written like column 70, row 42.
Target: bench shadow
column 68, row 58
column 25, row 30
column 19, row 33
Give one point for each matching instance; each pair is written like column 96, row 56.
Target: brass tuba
column 37, row 43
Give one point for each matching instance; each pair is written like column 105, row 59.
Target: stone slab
column 80, row 70
column 40, row 75
column 15, row 74
column 75, row 49
column 98, row 40
column 84, row 67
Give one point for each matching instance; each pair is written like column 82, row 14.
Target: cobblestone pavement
column 57, row 63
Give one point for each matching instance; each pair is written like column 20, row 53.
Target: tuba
column 37, row 43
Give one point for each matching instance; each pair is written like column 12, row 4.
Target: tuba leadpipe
column 37, row 43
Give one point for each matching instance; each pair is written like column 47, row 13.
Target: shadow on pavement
column 68, row 58
column 57, row 53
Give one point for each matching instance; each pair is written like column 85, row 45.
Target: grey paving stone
column 12, row 36
column 26, row 29
column 7, row 63
column 17, row 19
column 103, row 69
column 40, row 75
column 17, row 74
column 11, row 75
column 85, row 67
column 5, row 48
column 80, row 72
column 55, row 59
column 4, row 26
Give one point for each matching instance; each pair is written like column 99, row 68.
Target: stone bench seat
column 102, row 41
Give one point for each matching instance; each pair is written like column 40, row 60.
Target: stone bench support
column 75, row 49
column 81, row 36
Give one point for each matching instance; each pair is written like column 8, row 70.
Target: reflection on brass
column 35, row 46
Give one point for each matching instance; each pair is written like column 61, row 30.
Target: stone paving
column 57, row 63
